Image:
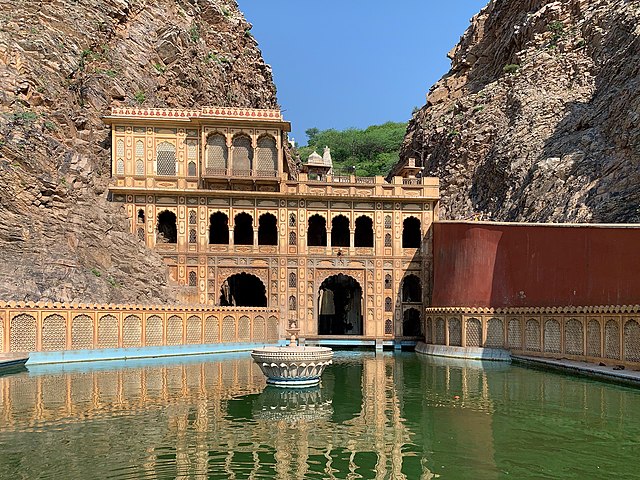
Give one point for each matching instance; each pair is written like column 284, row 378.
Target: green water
column 386, row 416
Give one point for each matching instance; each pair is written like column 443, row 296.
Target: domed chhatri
column 293, row 366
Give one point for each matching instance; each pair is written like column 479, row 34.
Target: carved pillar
column 255, row 237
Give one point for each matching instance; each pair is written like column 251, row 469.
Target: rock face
column 63, row 65
column 539, row 116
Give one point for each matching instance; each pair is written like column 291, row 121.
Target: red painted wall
column 497, row 265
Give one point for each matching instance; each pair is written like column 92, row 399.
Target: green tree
column 372, row 151
column 311, row 134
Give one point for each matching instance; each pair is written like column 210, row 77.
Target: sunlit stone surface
column 293, row 366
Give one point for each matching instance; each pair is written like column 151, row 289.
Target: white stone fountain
column 293, row 365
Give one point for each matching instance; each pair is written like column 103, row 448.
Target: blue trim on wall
column 66, row 356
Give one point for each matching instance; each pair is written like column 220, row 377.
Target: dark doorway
column 411, row 323
column 140, row 216
column 411, row 289
column 364, row 232
column 317, row 234
column 243, row 290
column 243, row 229
column 340, row 306
column 340, row 231
column 219, row 229
column 267, row 230
column 167, row 230
column 411, row 236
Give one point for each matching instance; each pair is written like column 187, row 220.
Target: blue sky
column 355, row 63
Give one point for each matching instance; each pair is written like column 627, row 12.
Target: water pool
column 395, row 415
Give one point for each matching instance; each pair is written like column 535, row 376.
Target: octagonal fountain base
column 293, row 366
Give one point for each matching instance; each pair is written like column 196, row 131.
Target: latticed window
column 192, row 157
column 611, row 340
column 387, row 281
column 192, row 149
column 193, row 236
column 192, row 217
column 292, row 220
column 293, row 238
column 166, row 159
column 388, row 326
column 242, row 155
column 387, row 221
column 217, row 152
column 387, row 304
column 141, row 234
column 387, row 240
column 267, row 154
column 193, row 279
column 293, row 279
column 120, row 148
column 120, row 166
column 139, row 157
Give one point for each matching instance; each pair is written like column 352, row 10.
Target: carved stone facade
column 230, row 220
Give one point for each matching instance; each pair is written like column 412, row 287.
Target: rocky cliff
column 63, row 64
column 539, row 117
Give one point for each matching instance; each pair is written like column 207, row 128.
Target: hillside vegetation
column 372, row 151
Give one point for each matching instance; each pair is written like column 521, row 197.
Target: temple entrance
column 243, row 290
column 340, row 306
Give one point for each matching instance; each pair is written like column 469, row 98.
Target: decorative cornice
column 595, row 309
column 130, row 307
column 205, row 112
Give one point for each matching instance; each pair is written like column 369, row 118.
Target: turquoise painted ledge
column 93, row 355
column 471, row 353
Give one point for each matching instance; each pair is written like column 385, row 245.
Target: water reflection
column 293, row 406
column 374, row 416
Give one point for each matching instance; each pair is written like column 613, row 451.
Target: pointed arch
column 317, row 232
column 267, row 229
column 364, row 232
column 219, row 229
column 340, row 235
column 243, row 229
column 411, row 233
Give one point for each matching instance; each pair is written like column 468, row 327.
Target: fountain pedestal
column 293, row 366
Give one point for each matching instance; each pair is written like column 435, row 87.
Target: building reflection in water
column 213, row 415
column 374, row 416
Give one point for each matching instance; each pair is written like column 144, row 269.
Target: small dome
column 315, row 159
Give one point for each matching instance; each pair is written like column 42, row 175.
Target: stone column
column 255, row 236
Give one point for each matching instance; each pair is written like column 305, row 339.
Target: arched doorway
column 364, row 232
column 411, row 289
column 411, row 326
column 340, row 231
column 243, row 229
column 167, row 229
column 243, row 290
column 340, row 306
column 411, row 234
column 218, row 229
column 267, row 230
column 317, row 233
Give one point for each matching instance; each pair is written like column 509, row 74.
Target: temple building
column 341, row 257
